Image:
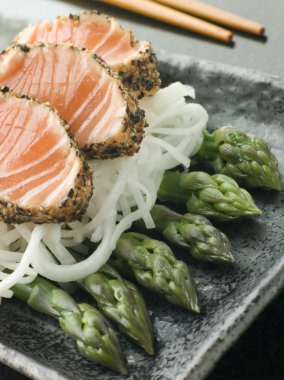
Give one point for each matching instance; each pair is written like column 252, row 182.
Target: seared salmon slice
column 134, row 60
column 42, row 176
column 104, row 118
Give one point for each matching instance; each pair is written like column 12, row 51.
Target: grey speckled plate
column 187, row 346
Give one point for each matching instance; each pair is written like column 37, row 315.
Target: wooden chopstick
column 211, row 13
column 171, row 16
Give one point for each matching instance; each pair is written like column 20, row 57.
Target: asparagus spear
column 217, row 196
column 156, row 268
column 94, row 337
column 247, row 159
column 193, row 232
column 121, row 301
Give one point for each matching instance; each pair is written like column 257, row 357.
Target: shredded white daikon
column 121, row 185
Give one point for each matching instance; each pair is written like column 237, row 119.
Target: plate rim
column 18, row 360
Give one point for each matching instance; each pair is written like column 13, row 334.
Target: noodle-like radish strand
column 125, row 189
column 20, row 271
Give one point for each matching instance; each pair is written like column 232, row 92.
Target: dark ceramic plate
column 187, row 346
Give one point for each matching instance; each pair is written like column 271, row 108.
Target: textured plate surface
column 187, row 346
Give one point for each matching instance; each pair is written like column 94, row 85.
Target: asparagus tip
column 254, row 211
column 195, row 308
column 226, row 258
column 117, row 362
column 121, row 368
column 149, row 349
column 121, row 365
column 275, row 185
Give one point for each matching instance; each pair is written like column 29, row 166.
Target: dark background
column 259, row 353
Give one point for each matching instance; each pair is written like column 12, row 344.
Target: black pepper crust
column 140, row 75
column 132, row 132
column 71, row 208
column 133, row 124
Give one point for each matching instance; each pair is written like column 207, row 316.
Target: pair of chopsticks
column 162, row 10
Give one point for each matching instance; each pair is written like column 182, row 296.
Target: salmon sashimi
column 42, row 176
column 133, row 60
column 104, row 118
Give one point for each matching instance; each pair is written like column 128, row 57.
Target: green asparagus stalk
column 155, row 267
column 120, row 301
column 247, row 159
column 195, row 233
column 217, row 196
column 95, row 339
